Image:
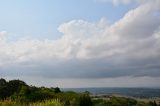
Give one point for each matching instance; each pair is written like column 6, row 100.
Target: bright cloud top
column 125, row 2
column 128, row 47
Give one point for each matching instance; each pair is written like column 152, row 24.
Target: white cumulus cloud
column 128, row 47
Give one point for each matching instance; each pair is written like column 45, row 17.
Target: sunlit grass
column 9, row 103
column 54, row 102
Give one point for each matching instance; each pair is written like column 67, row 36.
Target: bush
column 84, row 100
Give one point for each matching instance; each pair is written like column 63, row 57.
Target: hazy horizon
column 77, row 44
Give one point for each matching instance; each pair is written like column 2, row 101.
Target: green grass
column 54, row 102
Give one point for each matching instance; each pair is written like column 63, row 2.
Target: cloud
column 128, row 47
column 116, row 2
column 126, row 2
column 2, row 33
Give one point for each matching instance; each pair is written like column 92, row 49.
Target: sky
column 81, row 43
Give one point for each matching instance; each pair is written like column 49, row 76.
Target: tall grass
column 8, row 102
column 54, row 102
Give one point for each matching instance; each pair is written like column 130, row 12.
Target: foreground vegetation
column 18, row 93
